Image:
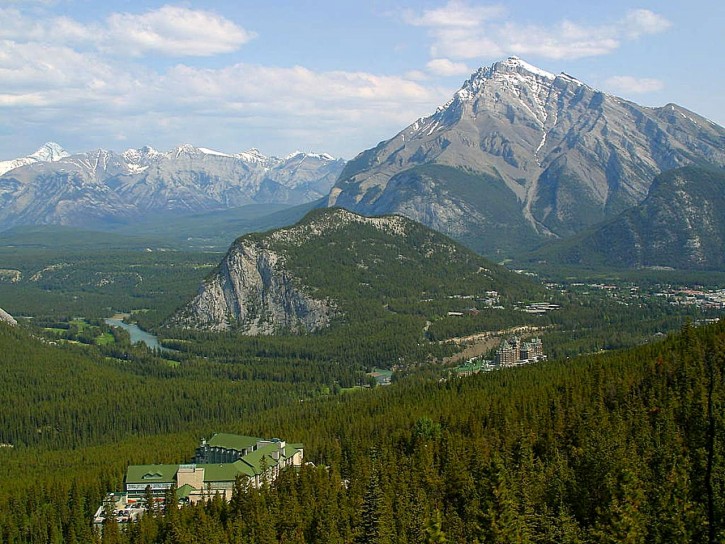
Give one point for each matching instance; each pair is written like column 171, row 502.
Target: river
column 137, row 335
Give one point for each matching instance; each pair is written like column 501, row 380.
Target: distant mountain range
column 101, row 187
column 517, row 159
column 519, row 156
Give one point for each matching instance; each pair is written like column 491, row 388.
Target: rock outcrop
column 253, row 293
column 7, row 318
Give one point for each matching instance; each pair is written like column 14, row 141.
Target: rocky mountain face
column 521, row 155
column 253, row 293
column 104, row 187
column 7, row 318
column 337, row 266
column 681, row 224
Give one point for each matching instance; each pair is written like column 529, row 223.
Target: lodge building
column 216, row 465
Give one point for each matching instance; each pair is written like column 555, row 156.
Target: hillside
column 336, row 267
column 681, row 225
column 522, row 155
column 620, row 447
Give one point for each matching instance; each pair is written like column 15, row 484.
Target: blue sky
column 325, row 76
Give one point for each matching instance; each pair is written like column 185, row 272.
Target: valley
column 566, row 238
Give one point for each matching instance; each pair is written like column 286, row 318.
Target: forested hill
column 619, row 447
column 680, row 224
column 337, row 266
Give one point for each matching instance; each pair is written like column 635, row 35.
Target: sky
column 321, row 76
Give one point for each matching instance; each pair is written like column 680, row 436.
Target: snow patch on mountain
column 48, row 152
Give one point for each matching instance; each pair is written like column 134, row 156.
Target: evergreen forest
column 618, row 437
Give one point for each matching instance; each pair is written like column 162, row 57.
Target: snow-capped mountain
column 519, row 155
column 102, row 186
column 49, row 152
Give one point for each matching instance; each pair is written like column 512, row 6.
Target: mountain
column 48, row 152
column 101, row 187
column 335, row 266
column 680, row 224
column 519, row 155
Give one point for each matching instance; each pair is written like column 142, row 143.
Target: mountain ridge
column 680, row 224
column 102, row 186
column 570, row 155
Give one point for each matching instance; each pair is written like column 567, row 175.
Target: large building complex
column 216, row 465
column 513, row 352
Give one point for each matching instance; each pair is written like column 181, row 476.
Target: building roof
column 226, row 472
column 150, row 474
column 232, row 441
column 291, row 449
column 254, row 459
column 184, row 491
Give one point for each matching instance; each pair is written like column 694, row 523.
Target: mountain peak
column 513, row 72
column 253, row 155
column 50, row 152
column 514, row 63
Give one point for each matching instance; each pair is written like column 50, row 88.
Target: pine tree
column 434, row 530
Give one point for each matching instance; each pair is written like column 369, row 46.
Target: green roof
column 249, row 465
column 225, row 472
column 184, row 491
column 147, row 474
column 232, row 441
column 291, row 449
column 254, row 459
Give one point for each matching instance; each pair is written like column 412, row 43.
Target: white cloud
column 174, row 31
column 633, row 85
column 169, row 31
column 416, row 75
column 87, row 96
column 445, row 67
column 455, row 14
column 460, row 31
column 643, row 21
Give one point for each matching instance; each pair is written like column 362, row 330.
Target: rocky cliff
column 7, row 318
column 341, row 269
column 253, row 293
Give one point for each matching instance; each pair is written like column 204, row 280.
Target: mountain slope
column 338, row 267
column 102, row 187
column 681, row 224
column 567, row 155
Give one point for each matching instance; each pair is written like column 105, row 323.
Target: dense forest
column 618, row 447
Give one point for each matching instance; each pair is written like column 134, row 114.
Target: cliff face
column 253, row 293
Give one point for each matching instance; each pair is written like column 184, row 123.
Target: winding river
column 137, row 335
